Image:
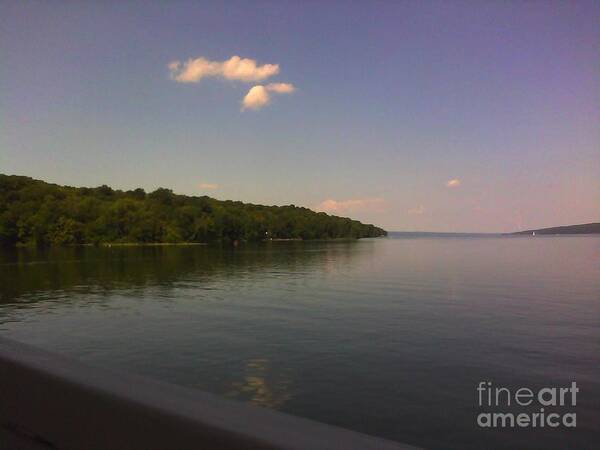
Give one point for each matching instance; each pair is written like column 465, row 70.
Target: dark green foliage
column 35, row 212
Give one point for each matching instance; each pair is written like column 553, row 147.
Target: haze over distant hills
column 585, row 228
column 435, row 234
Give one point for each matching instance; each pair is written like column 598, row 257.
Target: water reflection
column 388, row 337
column 27, row 272
column 262, row 386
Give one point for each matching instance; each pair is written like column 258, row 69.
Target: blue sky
column 392, row 100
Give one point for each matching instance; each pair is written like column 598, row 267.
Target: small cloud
column 416, row 211
column 259, row 95
column 174, row 66
column 208, row 186
column 351, row 205
column 246, row 69
column 234, row 68
column 256, row 98
column 454, row 182
column 281, row 88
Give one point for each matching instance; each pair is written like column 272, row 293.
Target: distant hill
column 39, row 213
column 586, row 228
column 435, row 234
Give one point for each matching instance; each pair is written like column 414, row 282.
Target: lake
column 390, row 336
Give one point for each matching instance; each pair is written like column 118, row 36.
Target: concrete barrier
column 48, row 401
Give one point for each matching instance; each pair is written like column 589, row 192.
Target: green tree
column 34, row 212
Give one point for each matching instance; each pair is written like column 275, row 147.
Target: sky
column 412, row 115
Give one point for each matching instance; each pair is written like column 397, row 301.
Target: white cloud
column 234, row 68
column 256, row 98
column 419, row 210
column 208, row 186
column 246, row 69
column 454, row 182
column 351, row 205
column 259, row 95
column 281, row 88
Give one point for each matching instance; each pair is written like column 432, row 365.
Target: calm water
column 388, row 336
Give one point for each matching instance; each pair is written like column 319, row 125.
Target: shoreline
column 187, row 244
column 145, row 244
column 116, row 244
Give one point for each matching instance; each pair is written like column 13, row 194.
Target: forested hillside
column 36, row 212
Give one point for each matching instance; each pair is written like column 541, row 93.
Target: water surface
column 385, row 336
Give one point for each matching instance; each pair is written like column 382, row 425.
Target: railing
column 48, row 401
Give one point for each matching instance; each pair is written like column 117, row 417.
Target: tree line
column 39, row 213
